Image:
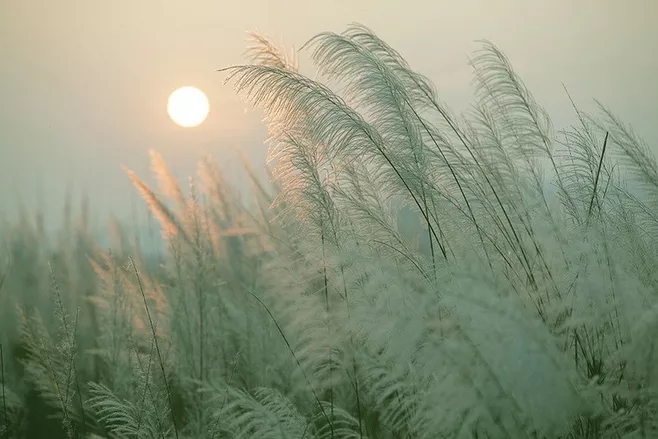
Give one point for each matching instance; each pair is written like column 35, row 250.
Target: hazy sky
column 84, row 83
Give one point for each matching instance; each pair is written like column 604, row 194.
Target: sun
column 188, row 107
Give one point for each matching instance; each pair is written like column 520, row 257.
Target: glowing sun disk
column 188, row 107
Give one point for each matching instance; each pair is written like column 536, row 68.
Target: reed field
column 406, row 272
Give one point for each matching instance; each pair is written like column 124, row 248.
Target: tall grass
column 521, row 304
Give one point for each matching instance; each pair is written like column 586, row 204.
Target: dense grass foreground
column 521, row 304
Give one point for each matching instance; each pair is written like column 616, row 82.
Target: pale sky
column 84, row 83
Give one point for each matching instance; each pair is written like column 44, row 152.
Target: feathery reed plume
column 157, row 346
